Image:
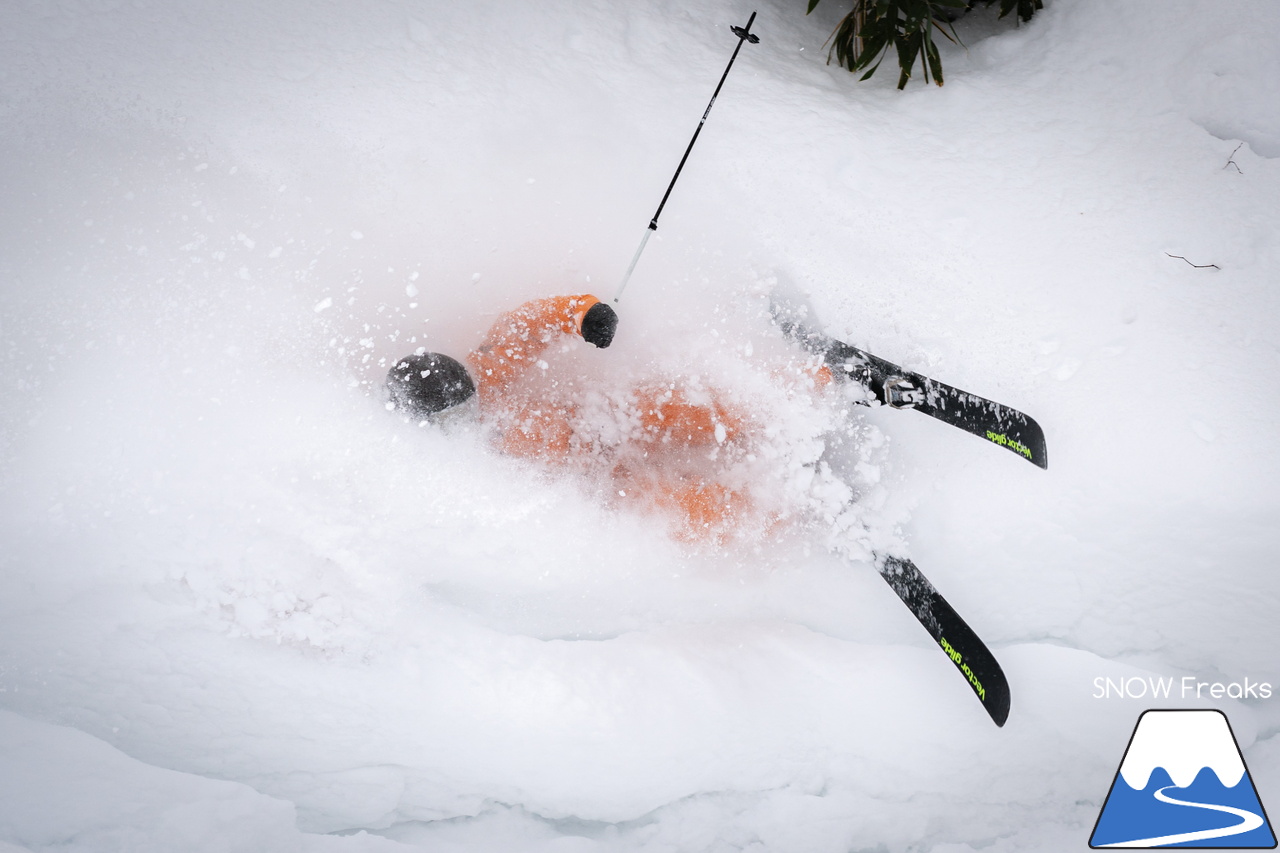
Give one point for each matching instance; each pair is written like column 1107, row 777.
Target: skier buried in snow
column 662, row 463
column 675, row 443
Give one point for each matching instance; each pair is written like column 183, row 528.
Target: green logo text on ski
column 958, row 660
column 1004, row 441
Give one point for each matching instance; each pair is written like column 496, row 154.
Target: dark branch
column 1231, row 161
column 1197, row 266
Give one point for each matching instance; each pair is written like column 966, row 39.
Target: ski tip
column 998, row 707
column 964, row 648
column 1022, row 436
column 1039, row 451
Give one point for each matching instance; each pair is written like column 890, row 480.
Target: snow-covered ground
column 243, row 607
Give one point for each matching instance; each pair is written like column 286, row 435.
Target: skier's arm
column 518, row 338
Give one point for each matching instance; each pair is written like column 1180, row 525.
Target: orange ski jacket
column 536, row 427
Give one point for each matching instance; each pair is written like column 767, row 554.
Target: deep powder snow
column 242, row 606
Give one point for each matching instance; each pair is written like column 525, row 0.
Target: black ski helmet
column 428, row 382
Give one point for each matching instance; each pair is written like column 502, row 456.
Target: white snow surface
column 243, row 607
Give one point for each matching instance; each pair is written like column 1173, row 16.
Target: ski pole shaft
column 744, row 34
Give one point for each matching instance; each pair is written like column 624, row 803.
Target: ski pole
column 743, row 34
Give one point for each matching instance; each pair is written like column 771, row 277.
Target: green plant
column 866, row 35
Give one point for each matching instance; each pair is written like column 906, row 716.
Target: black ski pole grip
column 745, row 32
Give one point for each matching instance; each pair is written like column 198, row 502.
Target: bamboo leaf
column 951, row 36
column 915, row 10
column 867, row 76
column 874, row 28
column 906, row 59
column 934, row 62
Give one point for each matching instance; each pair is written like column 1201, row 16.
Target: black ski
column 903, row 389
column 893, row 386
column 966, row 650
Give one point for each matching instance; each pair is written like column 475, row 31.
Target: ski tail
column 996, row 422
column 893, row 386
column 1000, row 424
column 965, row 649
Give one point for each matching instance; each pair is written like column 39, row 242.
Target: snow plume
column 790, row 443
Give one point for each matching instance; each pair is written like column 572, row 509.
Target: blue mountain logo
column 1183, row 783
